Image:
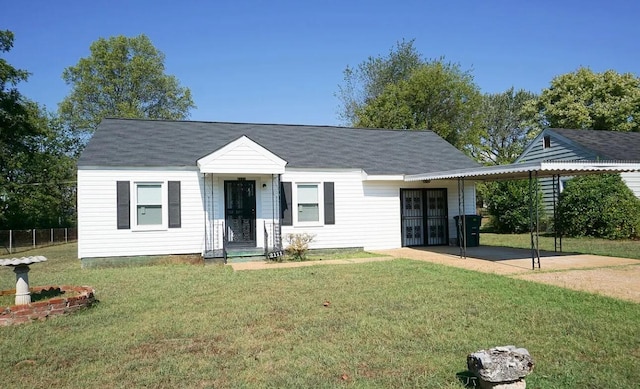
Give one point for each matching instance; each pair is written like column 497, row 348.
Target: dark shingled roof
column 608, row 145
column 163, row 143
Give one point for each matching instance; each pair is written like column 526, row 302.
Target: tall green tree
column 14, row 118
column 37, row 157
column 508, row 126
column 587, row 100
column 15, row 125
column 122, row 77
column 368, row 80
column 40, row 190
column 437, row 96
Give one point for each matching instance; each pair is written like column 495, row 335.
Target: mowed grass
column 397, row 323
column 611, row 248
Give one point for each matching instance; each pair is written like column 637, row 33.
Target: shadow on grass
column 46, row 294
column 468, row 379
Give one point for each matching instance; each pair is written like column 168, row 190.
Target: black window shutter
column 123, row 200
column 174, row 204
column 285, row 204
column 329, row 204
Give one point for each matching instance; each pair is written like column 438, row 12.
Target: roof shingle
column 608, row 145
column 163, row 143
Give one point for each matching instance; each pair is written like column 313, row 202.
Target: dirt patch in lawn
column 620, row 282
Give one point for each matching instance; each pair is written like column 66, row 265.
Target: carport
column 531, row 171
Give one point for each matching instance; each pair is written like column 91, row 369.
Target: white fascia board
column 385, row 177
column 139, row 168
column 591, row 166
column 522, row 170
column 321, row 169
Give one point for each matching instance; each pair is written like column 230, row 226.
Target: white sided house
column 154, row 187
column 559, row 144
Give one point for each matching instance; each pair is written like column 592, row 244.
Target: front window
column 308, row 204
column 149, row 204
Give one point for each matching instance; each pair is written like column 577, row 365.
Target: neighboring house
column 555, row 144
column 152, row 187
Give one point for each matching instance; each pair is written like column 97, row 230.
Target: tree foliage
column 404, row 91
column 369, row 79
column 507, row 125
column 437, row 96
column 122, row 77
column 599, row 206
column 14, row 119
column 587, row 100
column 37, row 168
column 508, row 205
column 40, row 191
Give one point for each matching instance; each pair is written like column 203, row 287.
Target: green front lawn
column 610, row 248
column 397, row 323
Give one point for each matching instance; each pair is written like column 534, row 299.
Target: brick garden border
column 41, row 310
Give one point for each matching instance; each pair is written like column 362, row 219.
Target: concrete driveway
column 505, row 260
column 608, row 276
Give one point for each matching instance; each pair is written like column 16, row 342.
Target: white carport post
column 534, row 219
column 557, row 238
column 462, row 241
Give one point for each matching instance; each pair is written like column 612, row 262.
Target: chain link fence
column 14, row 241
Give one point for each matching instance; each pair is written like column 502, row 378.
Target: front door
column 240, row 212
column 424, row 217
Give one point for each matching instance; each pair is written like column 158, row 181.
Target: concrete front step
column 244, row 259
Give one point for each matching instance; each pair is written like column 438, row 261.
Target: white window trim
column 165, row 207
column 294, row 201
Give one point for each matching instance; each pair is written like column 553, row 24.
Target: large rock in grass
column 501, row 367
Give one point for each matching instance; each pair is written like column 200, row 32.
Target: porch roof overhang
column 522, row 170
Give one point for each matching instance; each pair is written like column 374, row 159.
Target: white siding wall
column 97, row 232
column 368, row 212
column 349, row 209
column 633, row 182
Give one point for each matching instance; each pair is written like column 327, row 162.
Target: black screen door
column 424, row 217
column 240, row 212
column 412, row 217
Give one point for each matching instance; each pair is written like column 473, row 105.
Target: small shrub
column 299, row 245
column 508, row 205
column 600, row 206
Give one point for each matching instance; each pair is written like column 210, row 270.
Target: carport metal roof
column 531, row 171
column 522, row 170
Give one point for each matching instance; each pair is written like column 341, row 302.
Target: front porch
column 242, row 217
column 241, row 194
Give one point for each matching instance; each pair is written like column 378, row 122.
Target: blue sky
column 282, row 61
